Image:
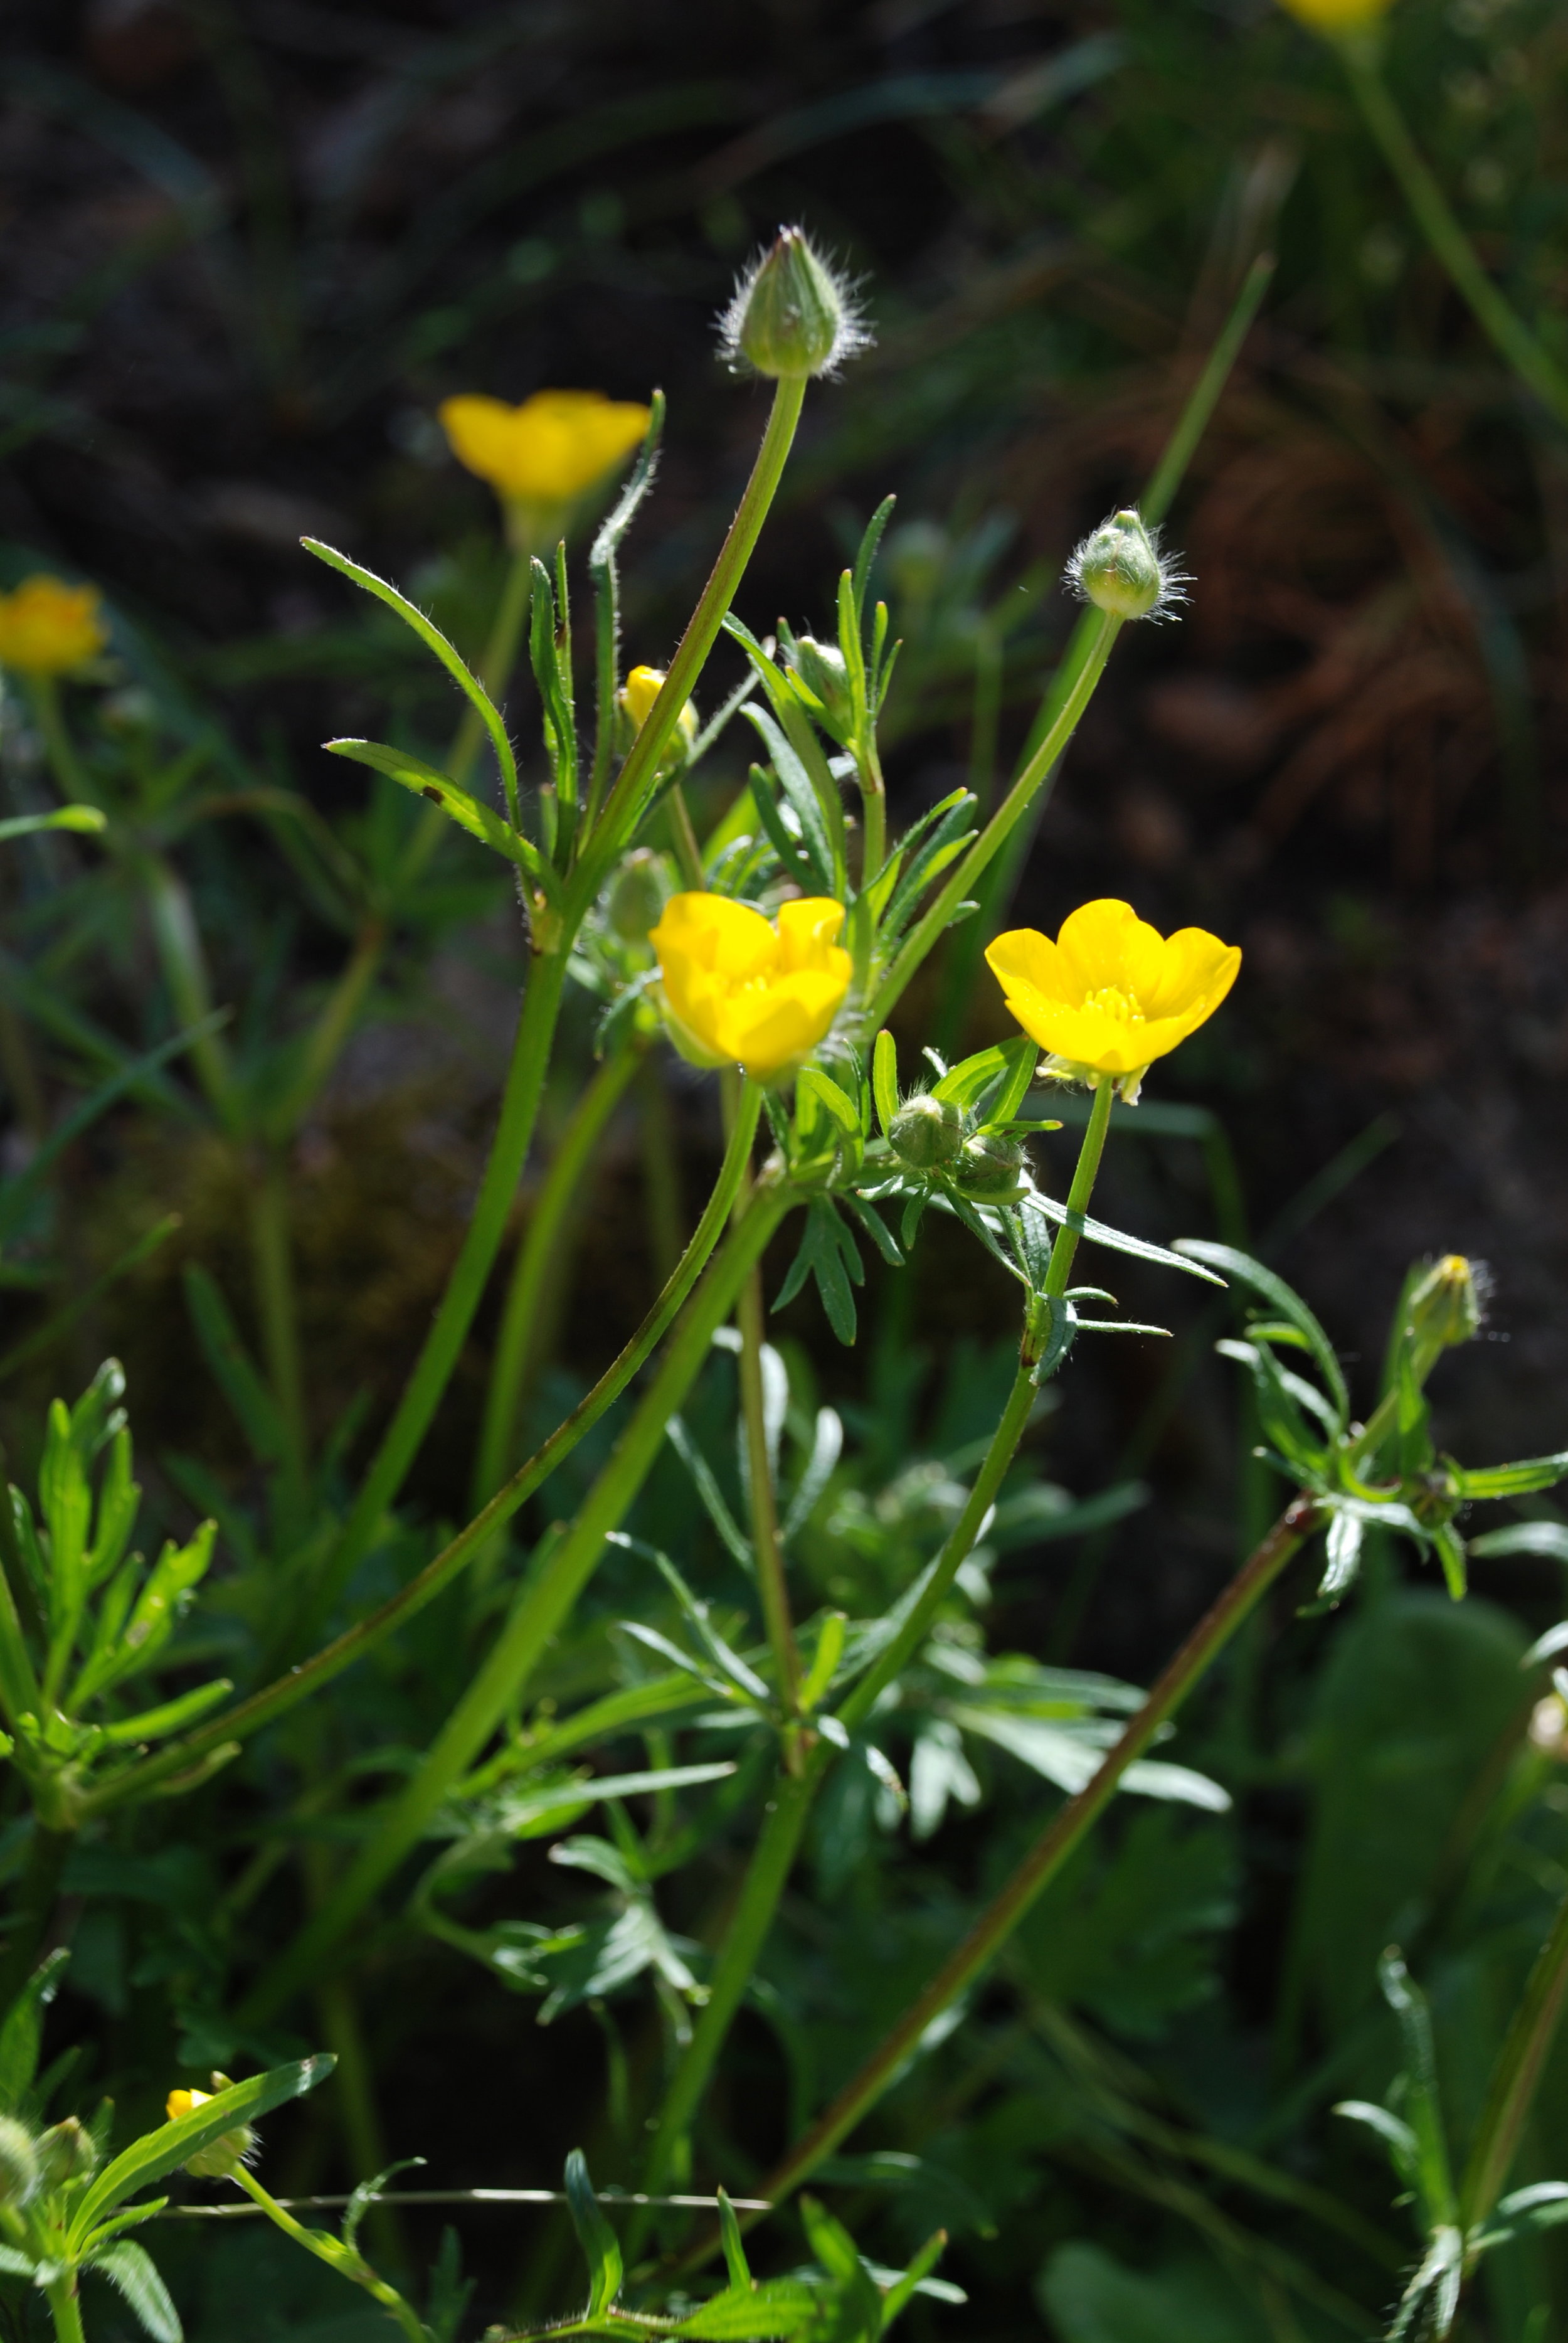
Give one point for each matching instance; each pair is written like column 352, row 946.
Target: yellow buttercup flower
column 1337, row 16
column 1111, row 994
column 550, row 450
column 184, row 2102
column 48, row 627
column 742, row 991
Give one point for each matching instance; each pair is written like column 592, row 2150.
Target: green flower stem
column 794, row 1792
column 465, row 1287
column 274, row 1700
column 58, row 745
column 1516, row 2078
column 1498, row 320
column 535, row 1254
column 543, row 1602
column 344, row 2260
column 65, row 2308
column 179, row 948
column 1092, row 1147
column 1087, row 654
column 767, row 1546
column 1060, row 1840
column 640, row 769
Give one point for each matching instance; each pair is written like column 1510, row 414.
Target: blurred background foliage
column 250, row 246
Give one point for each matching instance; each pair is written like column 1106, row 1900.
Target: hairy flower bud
column 217, row 2159
column 991, row 1168
column 637, row 895
column 637, row 693
column 65, row 2152
column 791, row 316
column 1119, row 569
column 18, row 2163
column 927, row 1132
column 820, row 667
column 1446, row 1306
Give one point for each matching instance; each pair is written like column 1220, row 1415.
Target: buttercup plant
column 772, row 953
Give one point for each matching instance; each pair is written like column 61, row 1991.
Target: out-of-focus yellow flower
column 217, row 2159
column 550, row 450
column 48, row 627
column 742, row 991
column 1111, row 994
column 640, row 689
column 1337, row 16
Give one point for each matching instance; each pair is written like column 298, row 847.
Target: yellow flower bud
column 1337, row 16
column 48, row 627
column 217, row 2159
column 547, row 452
column 738, row 989
column 637, row 693
column 1111, row 994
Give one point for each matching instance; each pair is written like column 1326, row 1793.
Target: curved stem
column 1061, row 1838
column 1516, row 2077
column 640, row 769
column 495, row 670
column 1087, row 654
column 465, row 1287
column 543, row 1601
column 536, row 1255
column 58, row 745
column 344, row 2260
column 1494, row 312
column 274, row 1700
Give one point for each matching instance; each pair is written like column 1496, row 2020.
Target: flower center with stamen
column 1115, row 1003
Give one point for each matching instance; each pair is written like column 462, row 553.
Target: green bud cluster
column 927, row 1132
column 821, row 668
column 1119, row 569
column 991, row 1168
column 19, row 2172
column 638, row 893
column 792, row 315
column 65, row 2152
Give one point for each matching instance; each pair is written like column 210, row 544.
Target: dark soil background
column 247, row 249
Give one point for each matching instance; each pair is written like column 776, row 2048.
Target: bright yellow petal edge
column 1111, row 994
column 550, row 450
column 1337, row 16
column 739, row 989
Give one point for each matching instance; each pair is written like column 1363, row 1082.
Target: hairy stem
column 465, row 1288
column 1065, row 1250
column 536, row 1254
column 543, row 1602
column 274, row 1700
column 65, row 2308
column 638, row 774
column 1060, row 1839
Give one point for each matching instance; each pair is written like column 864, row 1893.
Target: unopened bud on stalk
column 792, row 315
column 927, row 1132
column 820, row 667
column 637, row 693
column 637, row 895
column 218, row 2158
column 1119, row 569
column 991, row 1168
column 18, row 2163
column 1446, row 1306
column 65, row 2152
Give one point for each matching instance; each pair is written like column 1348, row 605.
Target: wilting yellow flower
column 48, row 627
column 641, row 689
column 550, row 450
column 742, row 991
column 1337, row 16
column 1111, row 994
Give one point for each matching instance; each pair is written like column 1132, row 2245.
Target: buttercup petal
column 808, row 930
column 1112, row 994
